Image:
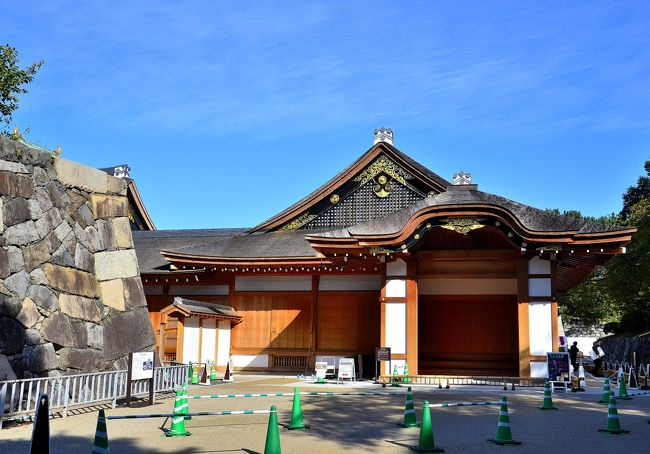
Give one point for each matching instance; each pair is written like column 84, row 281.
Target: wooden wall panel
column 348, row 321
column 272, row 320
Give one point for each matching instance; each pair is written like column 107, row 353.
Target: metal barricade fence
column 20, row 397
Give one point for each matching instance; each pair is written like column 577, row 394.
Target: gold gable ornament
column 383, row 165
column 299, row 222
column 463, row 225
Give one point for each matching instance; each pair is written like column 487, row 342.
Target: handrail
column 20, row 397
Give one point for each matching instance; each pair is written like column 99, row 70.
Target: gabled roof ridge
column 297, row 207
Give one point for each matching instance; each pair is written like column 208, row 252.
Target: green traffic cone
column 178, row 421
column 195, row 375
column 426, row 442
column 394, row 379
column 607, row 392
column 406, row 373
column 189, row 371
column 100, row 445
column 213, row 372
column 272, row 445
column 504, row 434
column 184, row 404
column 410, row 420
column 296, row 413
column 547, row 404
column 613, row 424
column 622, row 389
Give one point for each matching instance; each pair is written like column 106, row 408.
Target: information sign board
column 346, row 369
column 382, row 353
column 321, row 369
column 558, row 366
column 142, row 367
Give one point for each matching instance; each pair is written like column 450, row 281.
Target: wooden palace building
column 387, row 253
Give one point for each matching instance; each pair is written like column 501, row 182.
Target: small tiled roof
column 193, row 307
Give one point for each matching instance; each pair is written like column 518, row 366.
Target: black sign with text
column 382, row 353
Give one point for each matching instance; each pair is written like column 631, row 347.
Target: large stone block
column 62, row 231
column 40, row 176
column 4, row 263
column 81, row 359
column 79, row 334
column 38, row 277
column 21, row 234
column 109, row 206
column 83, row 259
column 36, row 254
column 40, row 358
column 50, row 220
column 16, row 211
column 16, row 185
column 76, row 175
column 113, row 294
column 12, row 336
column 18, row 283
column 116, row 185
column 72, row 281
column 13, row 167
column 44, row 200
column 29, row 314
column 122, row 230
column 95, row 335
column 126, row 332
column 58, row 330
column 62, row 257
column 94, row 242
column 15, row 256
column 6, row 372
column 106, row 235
column 2, row 225
column 33, row 337
column 116, row 264
column 79, row 307
column 134, row 293
column 35, row 211
column 43, row 297
column 10, row 306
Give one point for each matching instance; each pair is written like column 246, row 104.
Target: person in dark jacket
column 573, row 356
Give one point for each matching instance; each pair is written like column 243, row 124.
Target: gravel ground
column 356, row 423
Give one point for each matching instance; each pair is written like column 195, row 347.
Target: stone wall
column 619, row 348
column 71, row 299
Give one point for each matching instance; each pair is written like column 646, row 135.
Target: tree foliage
column 619, row 291
column 12, row 81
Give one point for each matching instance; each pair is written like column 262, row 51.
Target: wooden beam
column 412, row 316
column 179, row 339
column 523, row 322
column 554, row 326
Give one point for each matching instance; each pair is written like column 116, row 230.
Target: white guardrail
column 20, row 397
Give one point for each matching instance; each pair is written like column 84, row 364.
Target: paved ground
column 357, row 424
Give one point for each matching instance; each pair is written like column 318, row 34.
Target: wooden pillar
column 522, row 317
column 412, row 317
column 179, row 339
column 382, row 320
column 554, row 309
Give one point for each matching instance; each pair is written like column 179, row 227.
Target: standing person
column 573, row 356
column 597, row 355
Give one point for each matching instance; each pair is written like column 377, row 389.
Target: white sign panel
column 321, row 369
column 346, row 369
column 142, row 367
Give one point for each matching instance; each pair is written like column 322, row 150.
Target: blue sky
column 228, row 112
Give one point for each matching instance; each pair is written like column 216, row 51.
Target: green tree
column 12, row 81
column 619, row 291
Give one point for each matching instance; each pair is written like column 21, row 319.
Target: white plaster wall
column 396, row 327
column 250, row 360
column 350, row 283
column 189, row 290
column 396, row 268
column 223, row 343
column 538, row 369
column 395, row 288
column 273, row 283
column 539, row 287
column 467, row 286
column 191, row 340
column 208, row 339
column 541, row 332
column 539, row 266
column 396, row 362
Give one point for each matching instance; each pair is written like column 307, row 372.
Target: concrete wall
column 71, row 299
